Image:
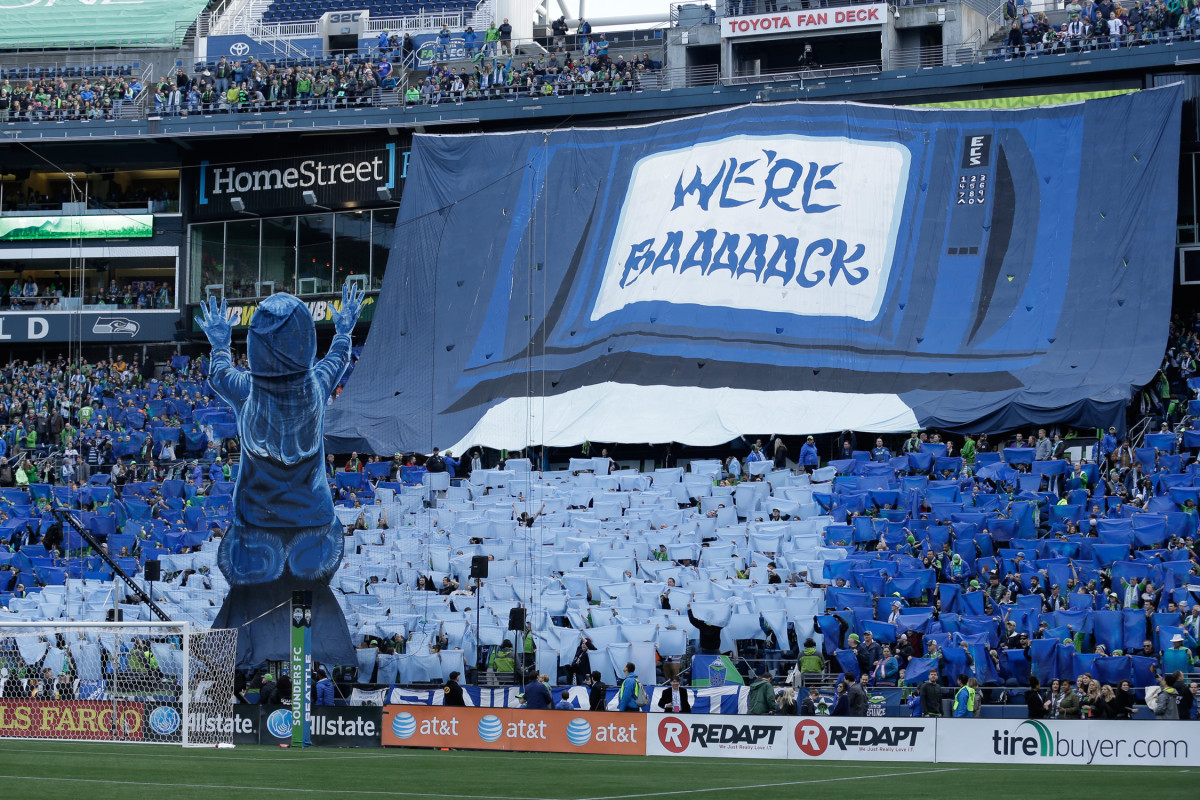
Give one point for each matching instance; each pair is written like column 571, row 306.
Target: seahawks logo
column 116, row 325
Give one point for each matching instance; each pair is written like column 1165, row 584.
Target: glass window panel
column 381, row 243
column 279, row 254
column 352, row 252
column 241, row 258
column 207, row 259
column 314, row 267
column 1187, row 191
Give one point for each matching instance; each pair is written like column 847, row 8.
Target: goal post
column 148, row 682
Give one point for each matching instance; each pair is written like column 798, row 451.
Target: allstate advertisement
column 875, row 268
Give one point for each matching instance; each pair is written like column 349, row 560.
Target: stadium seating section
column 305, row 10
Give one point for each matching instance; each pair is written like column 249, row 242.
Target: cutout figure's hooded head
column 282, row 340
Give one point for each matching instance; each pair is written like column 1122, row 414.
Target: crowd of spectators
column 1091, row 25
column 546, row 76
column 1005, row 563
column 102, row 195
column 25, row 293
column 61, row 98
column 234, row 86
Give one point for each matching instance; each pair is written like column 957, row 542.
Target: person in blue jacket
column 809, row 459
column 537, row 694
column 628, row 691
column 325, row 690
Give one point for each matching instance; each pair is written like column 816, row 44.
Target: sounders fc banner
column 791, row 268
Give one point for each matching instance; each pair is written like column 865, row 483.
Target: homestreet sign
column 340, row 178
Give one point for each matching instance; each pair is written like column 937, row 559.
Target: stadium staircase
column 64, row 515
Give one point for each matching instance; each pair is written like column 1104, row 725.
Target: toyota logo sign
column 239, row 49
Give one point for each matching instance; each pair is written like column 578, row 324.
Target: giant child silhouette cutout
column 283, row 535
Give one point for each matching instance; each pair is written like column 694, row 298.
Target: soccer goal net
column 160, row 682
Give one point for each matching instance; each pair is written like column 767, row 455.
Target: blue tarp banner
column 687, row 254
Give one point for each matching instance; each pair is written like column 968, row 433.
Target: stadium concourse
column 1002, row 559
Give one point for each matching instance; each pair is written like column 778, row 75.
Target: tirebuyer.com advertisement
column 514, row 729
column 791, row 737
column 1035, row 741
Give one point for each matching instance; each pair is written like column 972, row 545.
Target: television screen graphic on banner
column 882, row 268
column 514, row 729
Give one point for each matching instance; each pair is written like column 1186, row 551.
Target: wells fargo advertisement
column 514, row 729
column 74, row 719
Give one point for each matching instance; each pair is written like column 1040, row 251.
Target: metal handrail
column 817, row 73
column 63, row 515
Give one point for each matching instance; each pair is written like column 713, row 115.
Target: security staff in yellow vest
column 964, row 699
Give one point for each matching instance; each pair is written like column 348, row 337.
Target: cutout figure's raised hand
column 215, row 324
column 345, row 318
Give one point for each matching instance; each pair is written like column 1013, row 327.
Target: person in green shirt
column 491, row 39
column 762, row 696
column 413, row 95
column 526, row 661
column 501, row 661
column 967, row 451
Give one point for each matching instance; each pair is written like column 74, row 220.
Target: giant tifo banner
column 56, row 22
column 794, row 268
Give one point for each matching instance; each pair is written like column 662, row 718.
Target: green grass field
column 35, row 769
